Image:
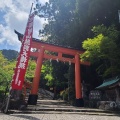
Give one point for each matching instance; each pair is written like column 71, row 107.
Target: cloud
column 15, row 17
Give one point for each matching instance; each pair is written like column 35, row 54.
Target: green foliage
column 64, row 94
column 92, row 47
column 30, row 69
column 7, row 65
column 104, row 49
column 68, row 93
column 59, row 69
column 47, row 73
column 6, row 71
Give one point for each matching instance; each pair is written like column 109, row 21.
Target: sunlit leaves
column 103, row 48
column 92, row 47
column 6, row 71
column 30, row 69
column 46, row 71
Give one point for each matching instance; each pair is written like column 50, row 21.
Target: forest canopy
column 89, row 25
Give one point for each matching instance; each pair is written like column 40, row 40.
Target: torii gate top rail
column 36, row 43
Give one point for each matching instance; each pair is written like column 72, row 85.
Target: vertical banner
column 119, row 15
column 23, row 58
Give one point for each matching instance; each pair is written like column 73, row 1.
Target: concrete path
column 58, row 110
column 54, row 116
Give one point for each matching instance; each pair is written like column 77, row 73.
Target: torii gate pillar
column 78, row 86
column 35, row 85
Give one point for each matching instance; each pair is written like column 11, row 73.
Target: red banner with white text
column 23, row 58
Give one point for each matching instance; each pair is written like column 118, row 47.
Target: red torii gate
column 61, row 51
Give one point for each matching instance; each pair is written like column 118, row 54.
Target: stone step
column 60, row 107
column 63, row 111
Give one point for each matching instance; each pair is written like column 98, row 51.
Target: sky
column 14, row 16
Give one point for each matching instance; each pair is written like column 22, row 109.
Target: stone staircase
column 45, row 94
column 46, row 105
column 61, row 107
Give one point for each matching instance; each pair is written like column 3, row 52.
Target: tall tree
column 71, row 21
